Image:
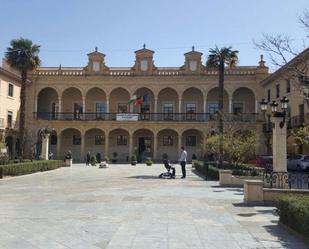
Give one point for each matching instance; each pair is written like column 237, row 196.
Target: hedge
column 294, row 213
column 212, row 173
column 25, row 168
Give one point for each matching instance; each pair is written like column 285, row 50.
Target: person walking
column 183, row 161
column 88, row 158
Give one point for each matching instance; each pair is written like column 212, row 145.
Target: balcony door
column 145, row 111
column 54, row 110
column 168, row 111
column 190, row 111
column 78, row 111
column 99, row 110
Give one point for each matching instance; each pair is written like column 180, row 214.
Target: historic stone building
column 144, row 109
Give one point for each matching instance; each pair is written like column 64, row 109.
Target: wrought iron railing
column 190, row 117
column 292, row 180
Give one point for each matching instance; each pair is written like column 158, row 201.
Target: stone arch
column 168, row 140
column 168, row 103
column 95, row 103
column 47, row 103
column 243, row 100
column 95, row 140
column 71, row 140
column 192, row 139
column 118, row 99
column 192, row 103
column 72, row 103
column 119, row 143
column 212, row 100
column 143, row 143
column 147, row 102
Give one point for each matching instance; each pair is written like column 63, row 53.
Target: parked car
column 298, row 162
column 264, row 161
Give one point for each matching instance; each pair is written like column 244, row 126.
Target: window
column 191, row 111
column 190, row 140
column 277, row 91
column 53, row 139
column 168, row 110
column 122, row 108
column 238, row 108
column 11, row 90
column 213, row 107
column 98, row 139
column 76, row 140
column 99, row 110
column 268, row 95
column 167, row 140
column 288, row 86
column 122, row 140
column 10, row 119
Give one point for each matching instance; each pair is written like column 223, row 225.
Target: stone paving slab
column 128, row 207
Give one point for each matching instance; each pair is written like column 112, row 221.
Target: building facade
column 9, row 107
column 144, row 110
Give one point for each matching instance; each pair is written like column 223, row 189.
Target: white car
column 298, row 162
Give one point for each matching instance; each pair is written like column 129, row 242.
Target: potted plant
column 194, row 160
column 68, row 159
column 106, row 159
column 148, row 161
column 93, row 161
column 114, row 160
column 133, row 160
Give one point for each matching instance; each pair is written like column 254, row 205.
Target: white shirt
column 183, row 156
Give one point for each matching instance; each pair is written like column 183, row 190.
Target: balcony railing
column 168, row 117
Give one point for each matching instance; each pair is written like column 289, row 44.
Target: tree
column 219, row 58
column 23, row 56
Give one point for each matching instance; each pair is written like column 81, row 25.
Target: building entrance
column 144, row 148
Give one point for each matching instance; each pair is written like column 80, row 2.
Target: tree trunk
column 221, row 92
column 22, row 113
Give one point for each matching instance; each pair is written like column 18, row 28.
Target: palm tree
column 23, row 56
column 219, row 58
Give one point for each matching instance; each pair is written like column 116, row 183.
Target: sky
column 69, row 29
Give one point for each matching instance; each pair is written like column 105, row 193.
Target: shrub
column 165, row 156
column 294, row 212
column 209, row 171
column 93, row 161
column 106, row 159
column 194, row 157
column 148, row 162
column 133, row 160
column 29, row 167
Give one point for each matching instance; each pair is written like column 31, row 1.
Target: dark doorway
column 9, row 145
column 144, row 148
column 145, row 111
column 78, row 111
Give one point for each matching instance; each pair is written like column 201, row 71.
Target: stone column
column 82, row 146
column 58, row 146
column 156, row 108
column 179, row 143
column 107, row 108
column 84, row 108
column 45, row 147
column 256, row 110
column 36, row 106
column 205, row 109
column 279, row 145
column 130, row 146
column 106, row 144
column 59, row 108
column 155, row 146
column 230, row 104
column 179, row 109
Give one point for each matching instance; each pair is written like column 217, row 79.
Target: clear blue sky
column 67, row 30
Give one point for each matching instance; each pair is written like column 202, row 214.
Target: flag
column 146, row 98
column 132, row 100
column 139, row 100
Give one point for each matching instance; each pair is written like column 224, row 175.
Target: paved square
column 127, row 206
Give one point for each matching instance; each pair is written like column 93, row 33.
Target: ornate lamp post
column 278, row 120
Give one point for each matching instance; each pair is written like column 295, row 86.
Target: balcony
column 166, row 117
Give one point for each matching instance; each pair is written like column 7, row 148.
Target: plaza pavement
column 126, row 207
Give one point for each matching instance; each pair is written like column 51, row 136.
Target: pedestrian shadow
column 143, row 177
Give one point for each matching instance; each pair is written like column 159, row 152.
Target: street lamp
column 274, row 108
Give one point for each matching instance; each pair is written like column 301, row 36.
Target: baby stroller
column 171, row 171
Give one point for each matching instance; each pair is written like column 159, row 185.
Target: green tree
column 23, row 56
column 219, row 58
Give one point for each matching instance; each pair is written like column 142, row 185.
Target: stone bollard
column 253, row 192
column 225, row 177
